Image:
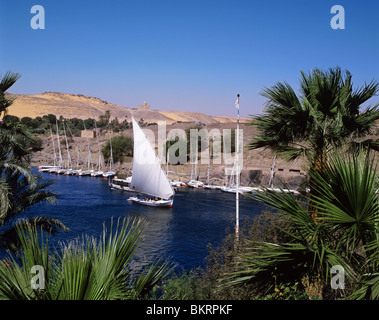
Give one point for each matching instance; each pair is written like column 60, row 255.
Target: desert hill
column 80, row 106
column 257, row 164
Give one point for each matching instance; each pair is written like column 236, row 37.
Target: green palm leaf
column 325, row 112
column 347, row 197
column 86, row 269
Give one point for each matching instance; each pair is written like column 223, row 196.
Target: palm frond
column 267, row 265
column 287, row 203
column 367, row 288
column 8, row 80
column 4, row 198
column 346, row 197
column 151, row 276
column 326, row 111
column 84, row 269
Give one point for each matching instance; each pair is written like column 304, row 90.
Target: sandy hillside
column 256, row 163
column 80, row 106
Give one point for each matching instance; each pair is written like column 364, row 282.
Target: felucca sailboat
column 148, row 176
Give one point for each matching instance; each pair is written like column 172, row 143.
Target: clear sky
column 186, row 55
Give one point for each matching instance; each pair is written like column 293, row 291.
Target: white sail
column 148, row 176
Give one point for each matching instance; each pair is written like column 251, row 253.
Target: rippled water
column 181, row 233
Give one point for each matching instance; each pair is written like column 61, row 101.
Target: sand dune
column 80, row 106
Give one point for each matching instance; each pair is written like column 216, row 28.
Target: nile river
column 181, row 233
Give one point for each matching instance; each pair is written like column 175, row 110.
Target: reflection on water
column 181, row 233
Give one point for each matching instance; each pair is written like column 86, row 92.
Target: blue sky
column 184, row 55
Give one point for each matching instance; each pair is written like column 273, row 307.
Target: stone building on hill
column 144, row 107
column 90, row 133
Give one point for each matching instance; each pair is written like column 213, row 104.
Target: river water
column 181, row 234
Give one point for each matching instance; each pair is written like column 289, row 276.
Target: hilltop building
column 144, row 107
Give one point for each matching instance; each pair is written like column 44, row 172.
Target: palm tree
column 344, row 234
column 19, row 187
column 24, row 193
column 81, row 270
column 7, row 81
column 325, row 114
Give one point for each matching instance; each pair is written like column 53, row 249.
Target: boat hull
column 97, row 174
column 109, row 174
column 234, row 190
column 151, row 202
column 211, row 187
column 84, row 173
column 195, row 184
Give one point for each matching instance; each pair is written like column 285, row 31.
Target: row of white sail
column 148, row 177
column 66, row 167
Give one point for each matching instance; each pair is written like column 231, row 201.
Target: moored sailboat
column 208, row 185
column 195, row 184
column 148, row 176
column 99, row 172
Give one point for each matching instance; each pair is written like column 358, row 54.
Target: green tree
column 344, row 233
column 36, row 123
column 89, row 124
column 325, row 114
column 11, row 119
column 50, row 119
column 19, row 187
column 107, row 115
column 27, row 121
column 81, row 270
column 122, row 146
column 115, row 125
column 7, row 81
column 104, row 119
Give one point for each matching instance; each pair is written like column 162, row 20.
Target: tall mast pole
column 59, row 146
column 271, row 182
column 55, row 155
column 89, row 149
column 98, row 143
column 238, row 167
column 69, row 164
column 79, row 154
column 110, row 145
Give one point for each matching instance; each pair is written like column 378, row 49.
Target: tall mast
column 210, row 144
column 59, row 146
column 98, row 143
column 69, row 164
column 55, row 154
column 209, row 166
column 77, row 147
column 226, row 174
column 89, row 150
column 271, row 182
column 238, row 168
column 110, row 144
column 168, row 160
column 196, row 176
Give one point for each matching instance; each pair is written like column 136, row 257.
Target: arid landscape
column 82, row 107
column 256, row 163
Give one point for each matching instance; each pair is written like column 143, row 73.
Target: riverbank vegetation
column 289, row 252
column 42, row 125
column 85, row 269
column 19, row 187
column 334, row 227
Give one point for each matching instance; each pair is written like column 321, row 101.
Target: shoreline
column 256, row 169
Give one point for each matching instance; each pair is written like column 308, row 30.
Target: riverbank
column 256, row 163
